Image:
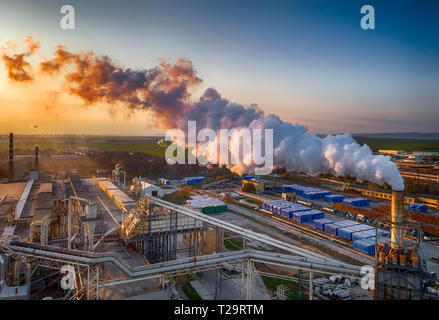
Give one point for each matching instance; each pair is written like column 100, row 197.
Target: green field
column 408, row 145
column 26, row 144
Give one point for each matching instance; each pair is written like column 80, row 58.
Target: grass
column 272, row 283
column 186, row 287
column 175, row 197
column 408, row 145
column 254, row 202
column 232, row 244
column 62, row 143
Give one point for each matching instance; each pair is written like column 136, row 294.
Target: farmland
column 408, row 145
column 62, row 144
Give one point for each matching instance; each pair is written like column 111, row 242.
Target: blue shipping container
column 366, row 246
column 319, row 224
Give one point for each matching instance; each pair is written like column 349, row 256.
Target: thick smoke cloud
column 298, row 150
column 165, row 90
column 214, row 112
column 17, row 67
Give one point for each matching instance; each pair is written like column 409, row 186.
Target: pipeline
column 90, row 258
column 3, row 268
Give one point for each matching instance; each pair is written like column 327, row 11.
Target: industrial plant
column 219, row 151
column 113, row 235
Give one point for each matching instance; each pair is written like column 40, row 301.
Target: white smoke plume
column 298, row 150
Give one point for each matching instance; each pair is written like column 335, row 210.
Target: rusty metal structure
column 398, row 266
column 153, row 230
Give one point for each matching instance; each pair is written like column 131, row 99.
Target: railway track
column 303, row 229
column 319, row 235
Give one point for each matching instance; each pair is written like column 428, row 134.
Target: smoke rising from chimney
column 166, row 91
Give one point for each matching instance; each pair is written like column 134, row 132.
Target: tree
column 249, row 187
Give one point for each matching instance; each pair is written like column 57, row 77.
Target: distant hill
column 400, row 135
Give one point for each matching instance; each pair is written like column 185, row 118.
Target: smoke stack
column 11, row 157
column 36, row 158
column 397, row 219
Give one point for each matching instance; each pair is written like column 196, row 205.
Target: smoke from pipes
column 166, row 92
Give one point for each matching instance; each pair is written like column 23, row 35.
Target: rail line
column 306, row 230
column 319, row 235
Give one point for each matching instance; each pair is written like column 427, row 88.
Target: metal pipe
column 31, row 230
column 397, row 219
column 2, row 268
column 45, row 223
column 69, row 218
column 69, row 225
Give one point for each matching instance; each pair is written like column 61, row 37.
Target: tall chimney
column 36, row 158
column 11, row 157
column 397, row 219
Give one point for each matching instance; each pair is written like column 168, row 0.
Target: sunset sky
column 307, row 61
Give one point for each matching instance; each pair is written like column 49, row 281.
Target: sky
column 309, row 62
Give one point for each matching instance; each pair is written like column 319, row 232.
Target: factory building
column 260, row 185
column 121, row 199
column 152, row 190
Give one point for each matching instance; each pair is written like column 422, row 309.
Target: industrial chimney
column 36, row 158
column 397, row 219
column 11, row 157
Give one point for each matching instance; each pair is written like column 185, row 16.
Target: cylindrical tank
column 415, row 259
column 402, row 260
column 397, row 219
column 394, row 258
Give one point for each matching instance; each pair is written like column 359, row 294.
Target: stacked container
column 334, row 198
column 319, row 224
column 206, row 204
column 193, row 180
column 357, row 202
column 347, row 233
column 418, row 207
column 366, row 246
column 334, row 228
column 291, row 210
column 306, row 192
column 302, row 217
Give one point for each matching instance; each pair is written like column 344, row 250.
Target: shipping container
column 366, row 246
column 334, row 198
column 347, row 233
column 302, row 217
column 319, row 224
column 334, row 227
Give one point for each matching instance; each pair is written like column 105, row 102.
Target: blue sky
column 308, row 61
